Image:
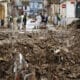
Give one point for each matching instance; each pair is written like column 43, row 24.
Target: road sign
column 72, row 1
column 63, row 5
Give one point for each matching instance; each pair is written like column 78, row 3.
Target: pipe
column 27, row 75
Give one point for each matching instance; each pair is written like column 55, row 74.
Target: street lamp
column 59, row 6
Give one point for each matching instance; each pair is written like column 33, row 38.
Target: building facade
column 3, row 9
column 3, row 13
column 36, row 5
column 70, row 9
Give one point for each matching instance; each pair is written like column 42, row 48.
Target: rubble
column 52, row 55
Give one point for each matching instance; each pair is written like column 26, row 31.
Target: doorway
column 2, row 12
column 78, row 10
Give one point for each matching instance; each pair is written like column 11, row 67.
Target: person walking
column 55, row 20
column 38, row 20
column 21, row 23
column 42, row 17
column 10, row 22
column 0, row 23
column 14, row 23
column 63, row 21
column 45, row 18
column 30, row 24
column 24, row 20
column 58, row 19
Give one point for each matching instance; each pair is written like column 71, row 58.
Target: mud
column 51, row 55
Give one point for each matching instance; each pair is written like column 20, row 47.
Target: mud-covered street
column 51, row 55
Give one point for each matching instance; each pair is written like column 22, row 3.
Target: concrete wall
column 69, row 10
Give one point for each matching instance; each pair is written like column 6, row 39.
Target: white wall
column 70, row 10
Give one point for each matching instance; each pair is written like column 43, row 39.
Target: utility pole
column 59, row 6
column 43, row 7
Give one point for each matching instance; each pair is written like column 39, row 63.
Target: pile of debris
column 75, row 24
column 53, row 55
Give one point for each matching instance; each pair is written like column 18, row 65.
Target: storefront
column 78, row 9
column 3, row 13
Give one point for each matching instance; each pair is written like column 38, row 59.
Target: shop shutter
column 78, row 10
